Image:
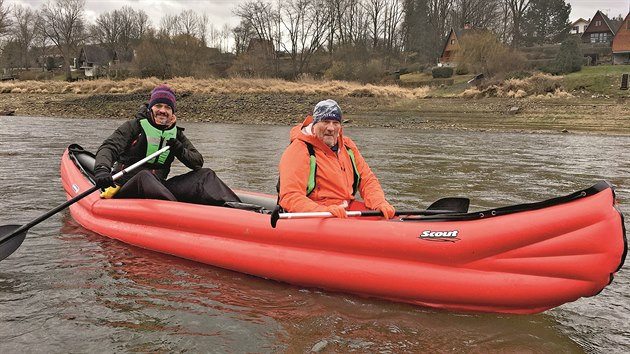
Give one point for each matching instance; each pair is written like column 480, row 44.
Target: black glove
column 176, row 146
column 103, row 178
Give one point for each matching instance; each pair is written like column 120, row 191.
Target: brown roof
column 621, row 41
column 607, row 25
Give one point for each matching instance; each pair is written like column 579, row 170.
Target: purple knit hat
column 162, row 94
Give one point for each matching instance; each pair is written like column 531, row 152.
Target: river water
column 68, row 290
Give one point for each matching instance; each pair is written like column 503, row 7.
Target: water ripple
column 69, row 290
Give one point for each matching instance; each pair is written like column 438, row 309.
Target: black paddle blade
column 9, row 243
column 456, row 205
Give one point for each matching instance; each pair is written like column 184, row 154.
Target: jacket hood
column 142, row 112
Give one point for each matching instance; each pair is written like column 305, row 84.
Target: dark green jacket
column 128, row 144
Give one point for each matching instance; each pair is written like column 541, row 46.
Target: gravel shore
column 549, row 115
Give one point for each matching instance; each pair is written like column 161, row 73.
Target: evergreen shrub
column 442, row 72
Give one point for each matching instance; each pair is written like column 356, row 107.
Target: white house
column 579, row 26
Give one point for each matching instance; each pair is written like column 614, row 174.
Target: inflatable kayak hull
column 533, row 258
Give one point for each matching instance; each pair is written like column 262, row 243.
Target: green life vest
column 313, row 170
column 310, row 185
column 156, row 139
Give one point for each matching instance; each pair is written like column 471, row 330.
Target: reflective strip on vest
column 311, row 175
column 155, row 140
column 357, row 176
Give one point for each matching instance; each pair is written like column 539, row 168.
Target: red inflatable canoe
column 520, row 259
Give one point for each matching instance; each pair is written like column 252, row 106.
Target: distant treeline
column 339, row 39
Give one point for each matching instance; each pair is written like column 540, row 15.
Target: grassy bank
column 598, row 81
column 601, row 80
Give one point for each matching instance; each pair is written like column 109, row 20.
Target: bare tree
column 202, row 28
column 482, row 51
column 142, row 22
column 503, row 30
column 187, row 28
column 242, row 33
column 153, row 56
column 62, row 22
column 350, row 21
column 41, row 43
column 439, row 11
column 375, row 11
column 392, row 20
column 107, row 29
column 384, row 18
column 5, row 20
column 260, row 17
column 188, row 23
column 219, row 38
column 11, row 49
column 119, row 28
column 224, row 35
column 517, row 9
column 23, row 32
column 477, row 13
column 133, row 26
column 169, row 25
column 306, row 27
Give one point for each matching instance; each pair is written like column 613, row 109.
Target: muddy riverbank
column 558, row 115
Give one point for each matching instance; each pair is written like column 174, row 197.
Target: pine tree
column 569, row 58
column 419, row 34
column 546, row 22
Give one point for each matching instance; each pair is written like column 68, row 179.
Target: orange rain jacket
column 334, row 177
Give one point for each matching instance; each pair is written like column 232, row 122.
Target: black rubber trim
column 598, row 187
column 83, row 159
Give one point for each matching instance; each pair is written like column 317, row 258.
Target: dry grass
column 538, row 86
column 305, row 86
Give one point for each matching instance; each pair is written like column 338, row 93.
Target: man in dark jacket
column 154, row 127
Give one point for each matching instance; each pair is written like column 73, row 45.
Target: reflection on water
column 162, row 296
column 67, row 289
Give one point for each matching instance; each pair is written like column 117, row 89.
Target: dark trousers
column 202, row 186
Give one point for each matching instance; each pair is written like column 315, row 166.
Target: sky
column 587, row 8
column 220, row 11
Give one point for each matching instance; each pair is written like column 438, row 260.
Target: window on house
column 452, row 41
column 601, row 37
column 628, row 25
column 598, row 23
column 576, row 29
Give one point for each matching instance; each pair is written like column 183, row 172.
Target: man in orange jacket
column 321, row 170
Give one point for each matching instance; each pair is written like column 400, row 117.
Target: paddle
column 11, row 236
column 441, row 206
